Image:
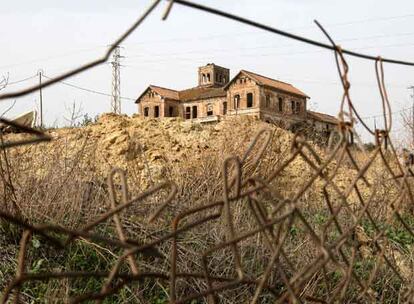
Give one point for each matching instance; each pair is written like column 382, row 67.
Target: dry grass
column 64, row 186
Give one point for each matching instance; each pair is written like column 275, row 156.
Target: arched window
column 156, row 111
column 208, row 77
column 224, row 107
column 146, row 111
column 204, row 78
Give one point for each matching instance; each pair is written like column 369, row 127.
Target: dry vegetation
column 64, row 182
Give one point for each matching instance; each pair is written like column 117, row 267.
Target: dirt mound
column 147, row 144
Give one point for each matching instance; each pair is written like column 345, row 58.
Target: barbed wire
column 333, row 272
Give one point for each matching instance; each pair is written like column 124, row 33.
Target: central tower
column 212, row 75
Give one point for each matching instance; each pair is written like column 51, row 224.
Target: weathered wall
column 151, row 101
column 273, row 104
column 175, row 108
column 217, row 104
column 321, row 126
column 242, row 86
column 218, row 75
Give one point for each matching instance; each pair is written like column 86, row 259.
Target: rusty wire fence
column 353, row 258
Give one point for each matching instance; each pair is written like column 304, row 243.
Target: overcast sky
column 58, row 35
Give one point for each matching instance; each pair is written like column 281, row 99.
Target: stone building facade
column 217, row 97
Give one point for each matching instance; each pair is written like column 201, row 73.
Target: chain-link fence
column 357, row 246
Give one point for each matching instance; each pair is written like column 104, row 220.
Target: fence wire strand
column 338, row 246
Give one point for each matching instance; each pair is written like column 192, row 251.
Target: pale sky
column 58, row 35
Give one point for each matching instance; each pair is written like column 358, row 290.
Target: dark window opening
column 171, row 111
column 297, row 107
column 187, row 112
column 156, row 111
column 249, row 100
column 224, row 107
column 146, row 111
column 209, row 109
column 237, row 101
column 208, row 77
column 280, row 104
column 204, row 78
column 194, row 111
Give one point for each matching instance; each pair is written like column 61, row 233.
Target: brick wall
column 242, row 86
column 202, row 105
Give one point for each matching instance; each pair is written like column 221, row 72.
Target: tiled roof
column 201, row 93
column 211, row 92
column 322, row 117
column 270, row 82
column 187, row 95
column 164, row 92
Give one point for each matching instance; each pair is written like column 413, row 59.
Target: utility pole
column 412, row 114
column 40, row 97
column 116, row 81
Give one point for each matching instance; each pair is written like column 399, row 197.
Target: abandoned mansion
column 217, row 97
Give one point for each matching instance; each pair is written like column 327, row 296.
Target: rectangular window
column 187, row 112
column 171, row 111
column 267, row 105
column 297, row 107
column 194, row 111
column 249, row 100
column 146, row 111
column 209, row 109
column 157, row 111
column 280, row 104
column 225, row 108
column 292, row 105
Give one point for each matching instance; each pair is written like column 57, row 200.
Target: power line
column 207, row 9
column 49, row 57
column 87, row 90
column 21, row 80
column 284, row 33
column 387, row 114
column 255, row 33
column 232, row 53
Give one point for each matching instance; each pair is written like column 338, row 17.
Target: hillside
column 64, row 182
